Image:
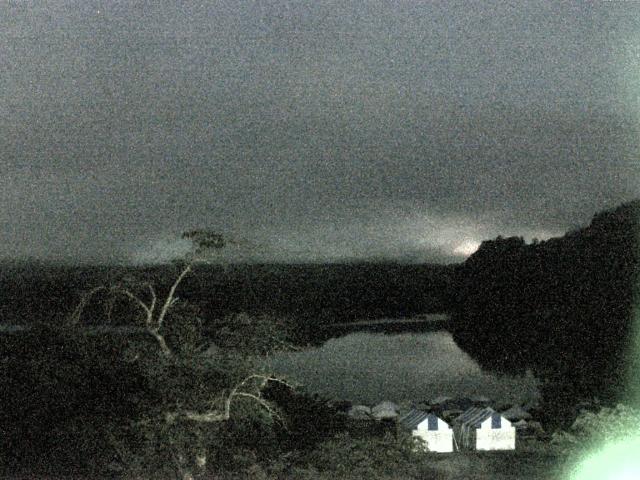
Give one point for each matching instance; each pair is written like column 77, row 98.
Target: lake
column 367, row 367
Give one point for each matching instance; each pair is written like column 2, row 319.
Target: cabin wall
column 496, row 439
column 436, row 440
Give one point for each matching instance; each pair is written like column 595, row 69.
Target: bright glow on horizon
column 160, row 250
column 466, row 248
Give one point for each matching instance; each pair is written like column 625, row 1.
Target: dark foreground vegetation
column 185, row 397
column 562, row 308
column 77, row 406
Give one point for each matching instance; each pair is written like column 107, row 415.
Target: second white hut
column 484, row 429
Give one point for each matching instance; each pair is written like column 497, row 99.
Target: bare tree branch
column 135, row 299
column 224, row 415
column 272, row 412
column 166, row 351
column 169, row 300
column 75, row 316
column 110, row 304
column 208, row 417
column 152, row 307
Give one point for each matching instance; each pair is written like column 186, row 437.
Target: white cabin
column 484, row 429
column 435, row 432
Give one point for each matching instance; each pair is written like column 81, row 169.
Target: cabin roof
column 415, row 417
column 475, row 416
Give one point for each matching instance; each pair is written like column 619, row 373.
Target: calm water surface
column 370, row 367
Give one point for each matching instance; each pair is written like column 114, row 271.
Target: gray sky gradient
column 323, row 130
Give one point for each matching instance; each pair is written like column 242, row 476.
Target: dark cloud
column 325, row 130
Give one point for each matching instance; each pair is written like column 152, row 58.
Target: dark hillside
column 333, row 292
column 311, row 293
column 561, row 307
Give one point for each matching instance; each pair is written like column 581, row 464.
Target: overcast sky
column 321, row 130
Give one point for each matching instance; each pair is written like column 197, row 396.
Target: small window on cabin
column 496, row 421
column 432, row 422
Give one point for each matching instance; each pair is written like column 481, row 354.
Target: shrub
column 348, row 457
column 591, row 429
column 61, row 391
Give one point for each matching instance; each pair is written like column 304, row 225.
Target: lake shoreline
column 368, row 367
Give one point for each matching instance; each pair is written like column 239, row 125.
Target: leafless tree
column 155, row 313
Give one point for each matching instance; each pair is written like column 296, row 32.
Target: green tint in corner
column 619, row 460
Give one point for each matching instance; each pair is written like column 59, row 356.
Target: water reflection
column 366, row 367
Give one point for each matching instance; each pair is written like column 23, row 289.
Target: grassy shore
column 524, row 464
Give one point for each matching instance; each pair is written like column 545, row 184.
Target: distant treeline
column 561, row 307
column 315, row 294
